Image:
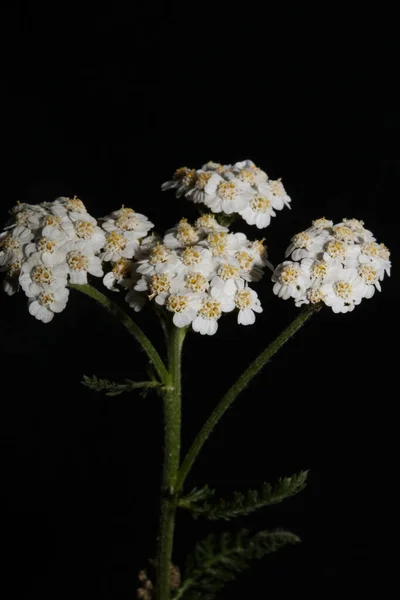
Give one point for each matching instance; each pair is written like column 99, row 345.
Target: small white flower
column 198, row 259
column 47, row 303
column 377, row 256
column 80, row 262
column 36, row 276
column 227, row 196
column 207, row 223
column 291, row 279
column 258, row 212
column 342, row 293
column 307, row 244
column 51, row 246
column 246, row 300
column 118, row 246
column 158, row 287
column 207, row 317
column 64, row 205
column 281, row 196
column 184, row 306
column 227, row 280
column 183, row 180
column 160, row 260
column 181, row 236
column 12, row 244
column 132, row 225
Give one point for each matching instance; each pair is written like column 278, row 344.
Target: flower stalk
column 172, row 442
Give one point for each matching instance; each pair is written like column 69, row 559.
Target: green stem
column 172, row 437
column 130, row 325
column 235, row 390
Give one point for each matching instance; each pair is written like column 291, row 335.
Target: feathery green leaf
column 112, row 388
column 244, row 503
column 216, row 560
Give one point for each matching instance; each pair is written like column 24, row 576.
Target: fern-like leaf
column 244, row 503
column 194, row 496
column 216, row 560
column 112, row 388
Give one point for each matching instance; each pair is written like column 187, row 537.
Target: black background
column 106, row 103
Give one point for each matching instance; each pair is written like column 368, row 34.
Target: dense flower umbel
column 338, row 265
column 241, row 188
column 47, row 246
column 198, row 272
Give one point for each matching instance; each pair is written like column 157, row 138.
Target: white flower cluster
column 199, row 272
column 338, row 265
column 53, row 243
column 241, row 188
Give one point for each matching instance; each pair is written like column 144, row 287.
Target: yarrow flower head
column 241, row 189
column 47, row 246
column 198, row 272
column 335, row 264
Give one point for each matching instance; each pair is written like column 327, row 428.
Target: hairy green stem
column 130, row 325
column 235, row 390
column 172, row 437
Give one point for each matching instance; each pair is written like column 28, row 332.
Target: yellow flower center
column 177, row 304
column 368, row 274
column 322, row 223
column 243, row 299
column 206, row 221
column 228, row 272
column 218, row 242
column 247, row 176
column 159, row 254
column 260, row 204
column 290, row 274
column 343, row 233
column 277, row 187
column 259, row 247
column 77, row 261
column 202, row 179
column 190, row 256
column 9, row 243
column 76, row 205
column 354, row 223
column 227, row 190
column 384, row 252
column 50, row 220
column 46, row 298
column 211, row 309
column 371, row 249
column 336, row 249
column 319, row 269
column 186, row 235
column 22, row 217
column 314, row 296
column 196, row 282
column 84, row 229
column 244, row 259
column 158, row 285
column 127, row 222
column 115, row 242
column 342, row 289
column 14, row 269
column 301, row 240
column 42, row 274
column 46, row 245
column 122, row 267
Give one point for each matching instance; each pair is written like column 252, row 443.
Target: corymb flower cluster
column 49, row 245
column 198, row 272
column 241, row 188
column 338, row 265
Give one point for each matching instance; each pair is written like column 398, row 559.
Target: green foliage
column 112, row 388
column 216, row 560
column 243, row 503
